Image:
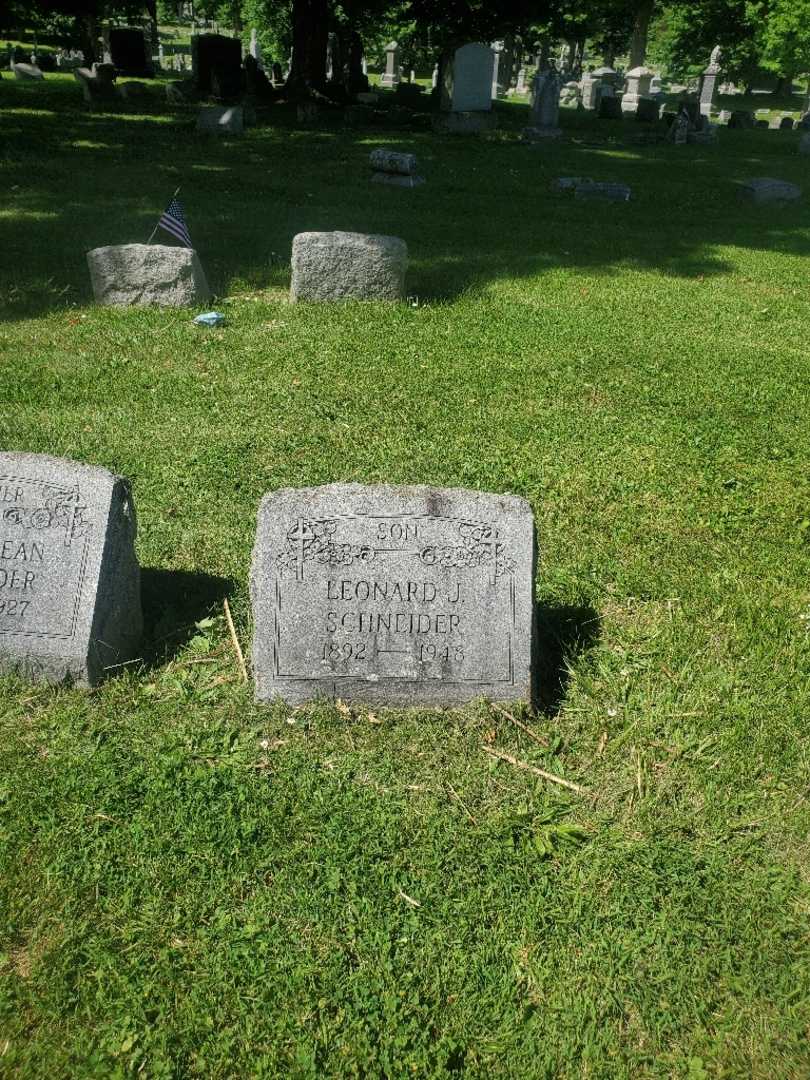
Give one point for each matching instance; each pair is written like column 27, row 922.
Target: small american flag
column 173, row 220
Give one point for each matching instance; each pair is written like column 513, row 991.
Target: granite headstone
column 393, row 595
column 467, row 75
column 333, row 266
column 151, row 274
column 70, row 607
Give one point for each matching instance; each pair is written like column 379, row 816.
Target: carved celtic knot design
column 313, row 540
column 479, row 546
column 62, row 509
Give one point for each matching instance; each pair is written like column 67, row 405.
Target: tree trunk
column 578, row 57
column 310, row 26
column 236, row 19
column 352, row 75
column 507, row 64
column 641, row 28
column 87, row 28
column 151, row 11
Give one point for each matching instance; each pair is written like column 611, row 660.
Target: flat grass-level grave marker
column 70, row 607
column 393, row 595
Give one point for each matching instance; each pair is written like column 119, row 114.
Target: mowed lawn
column 191, row 885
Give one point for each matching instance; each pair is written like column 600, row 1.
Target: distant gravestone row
column 393, row 595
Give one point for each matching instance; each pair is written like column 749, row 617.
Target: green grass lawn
column 191, row 885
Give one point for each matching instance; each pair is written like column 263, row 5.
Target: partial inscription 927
column 44, row 532
column 413, row 595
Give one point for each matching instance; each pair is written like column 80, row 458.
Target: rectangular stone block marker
column 333, row 266
column 70, row 605
column 393, row 595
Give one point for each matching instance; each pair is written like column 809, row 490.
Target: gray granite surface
column 156, row 274
column 393, row 595
column 331, row 266
column 70, row 608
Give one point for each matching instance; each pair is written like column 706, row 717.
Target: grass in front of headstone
column 193, row 885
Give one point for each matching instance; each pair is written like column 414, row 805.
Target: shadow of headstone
column 563, row 634
column 173, row 602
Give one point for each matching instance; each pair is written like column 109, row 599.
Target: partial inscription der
column 69, row 584
column 393, row 594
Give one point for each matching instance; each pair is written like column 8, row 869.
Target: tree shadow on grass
column 174, row 601
column 486, row 215
column 563, row 634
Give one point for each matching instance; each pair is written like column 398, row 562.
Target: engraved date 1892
column 13, row 607
column 336, row 652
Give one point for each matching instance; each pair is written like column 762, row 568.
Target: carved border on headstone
column 311, row 539
column 61, row 508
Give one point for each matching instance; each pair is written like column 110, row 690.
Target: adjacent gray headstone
column 591, row 92
column 390, row 77
column 545, row 108
column 764, row 189
column 468, row 79
column 158, row 274
column 329, row 266
column 27, row 72
column 70, row 606
column 709, row 81
column 393, row 595
column 638, row 87
column 220, row 120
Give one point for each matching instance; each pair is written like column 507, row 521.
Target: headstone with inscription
column 393, row 595
column 70, row 607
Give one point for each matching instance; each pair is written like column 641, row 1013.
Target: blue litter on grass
column 210, row 318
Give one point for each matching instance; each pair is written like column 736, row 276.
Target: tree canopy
column 756, row 36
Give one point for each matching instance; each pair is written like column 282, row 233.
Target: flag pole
column 151, row 238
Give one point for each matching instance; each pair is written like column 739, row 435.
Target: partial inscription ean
column 44, row 532
column 69, row 579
